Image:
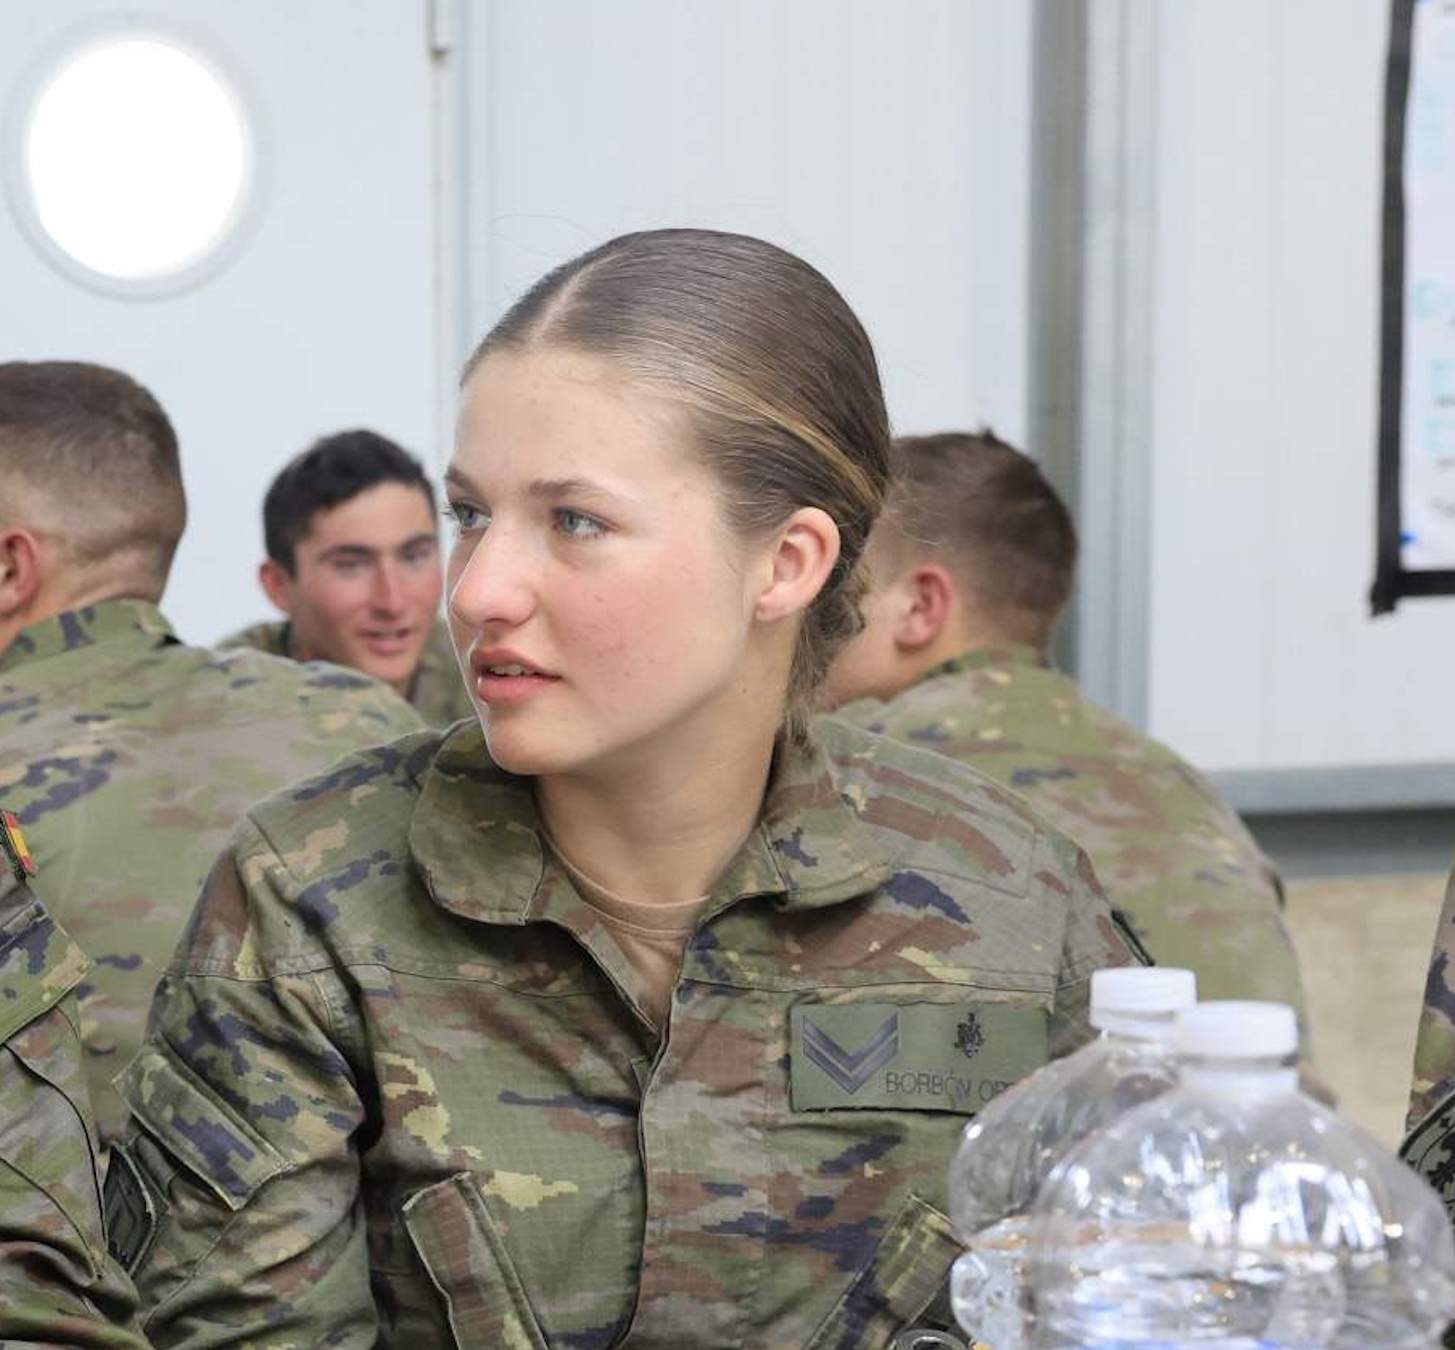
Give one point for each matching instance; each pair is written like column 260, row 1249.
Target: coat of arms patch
column 969, row 1037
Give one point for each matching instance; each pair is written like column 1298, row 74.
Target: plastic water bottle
column 1236, row 1213
column 1008, row 1150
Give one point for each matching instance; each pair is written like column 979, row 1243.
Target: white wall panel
column 1264, row 398
column 885, row 143
column 323, row 319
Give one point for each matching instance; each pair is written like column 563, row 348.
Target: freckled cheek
column 612, row 632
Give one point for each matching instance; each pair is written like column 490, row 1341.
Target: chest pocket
column 466, row 1260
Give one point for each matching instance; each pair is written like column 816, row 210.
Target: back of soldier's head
column 989, row 514
column 89, row 462
column 333, row 470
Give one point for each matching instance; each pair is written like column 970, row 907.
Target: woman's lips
column 503, row 676
column 498, row 689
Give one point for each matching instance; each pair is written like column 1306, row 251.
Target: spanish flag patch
column 21, row 862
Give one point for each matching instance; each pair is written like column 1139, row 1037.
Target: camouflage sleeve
column 239, row 1172
column 1093, row 937
column 57, row 1285
column 1434, row 1070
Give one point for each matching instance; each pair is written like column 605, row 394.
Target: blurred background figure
column 970, row 566
column 352, row 534
column 127, row 756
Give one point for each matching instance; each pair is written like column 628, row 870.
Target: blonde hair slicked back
column 775, row 373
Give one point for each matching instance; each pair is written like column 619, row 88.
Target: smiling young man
column 353, row 563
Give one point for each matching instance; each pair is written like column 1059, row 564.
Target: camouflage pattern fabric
column 128, row 759
column 398, row 1087
column 1434, row 1076
column 438, row 692
column 1175, row 860
column 57, row 1285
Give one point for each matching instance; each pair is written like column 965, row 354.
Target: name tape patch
column 910, row 1056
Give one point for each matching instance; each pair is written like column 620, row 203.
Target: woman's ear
column 805, row 550
column 927, row 602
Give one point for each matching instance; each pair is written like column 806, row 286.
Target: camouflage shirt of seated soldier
column 971, row 564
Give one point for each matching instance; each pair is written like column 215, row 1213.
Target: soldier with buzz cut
column 126, row 756
column 353, row 563
column 971, row 564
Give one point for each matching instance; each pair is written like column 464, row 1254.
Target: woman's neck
column 662, row 832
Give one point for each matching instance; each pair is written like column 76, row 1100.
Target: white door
column 314, row 311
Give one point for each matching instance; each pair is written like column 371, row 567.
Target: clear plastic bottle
column 1008, row 1150
column 1236, row 1213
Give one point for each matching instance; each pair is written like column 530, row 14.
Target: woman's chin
column 526, row 756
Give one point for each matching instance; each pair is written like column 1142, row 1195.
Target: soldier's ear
column 793, row 570
column 928, row 604
column 277, row 584
column 21, row 571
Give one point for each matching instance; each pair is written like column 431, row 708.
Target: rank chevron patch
column 851, row 1069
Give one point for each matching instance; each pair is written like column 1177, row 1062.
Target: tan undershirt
column 652, row 935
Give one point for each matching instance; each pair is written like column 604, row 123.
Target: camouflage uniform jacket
column 57, row 1285
column 1175, row 860
column 398, row 1084
column 437, row 692
column 128, row 759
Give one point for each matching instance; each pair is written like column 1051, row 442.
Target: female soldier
column 631, row 1014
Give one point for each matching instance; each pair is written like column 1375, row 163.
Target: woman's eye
column 466, row 517
column 577, row 524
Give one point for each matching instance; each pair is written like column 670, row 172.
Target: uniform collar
column 133, row 621
column 986, row 658
column 477, row 838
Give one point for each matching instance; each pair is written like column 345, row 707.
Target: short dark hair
column 88, row 455
column 1007, row 533
column 333, row 470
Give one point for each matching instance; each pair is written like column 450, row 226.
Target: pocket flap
column 909, row 1267
column 465, row 1256
column 39, row 962
column 192, row 1123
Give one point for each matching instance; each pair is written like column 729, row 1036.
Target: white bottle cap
column 1140, row 989
column 1233, row 1029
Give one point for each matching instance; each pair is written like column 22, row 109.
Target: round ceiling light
column 137, row 160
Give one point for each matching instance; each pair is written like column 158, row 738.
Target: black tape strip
column 1392, row 583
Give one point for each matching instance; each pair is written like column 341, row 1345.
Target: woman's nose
column 496, row 583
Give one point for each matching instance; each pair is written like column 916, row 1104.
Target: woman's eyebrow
column 555, row 488
column 455, row 477
column 544, row 489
